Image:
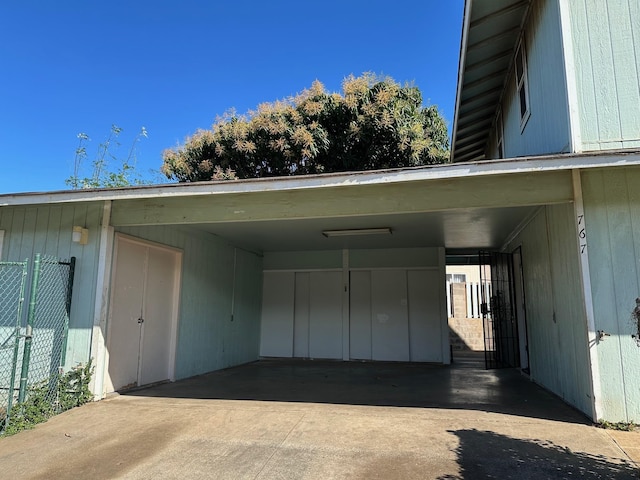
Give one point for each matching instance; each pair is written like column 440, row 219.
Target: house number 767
column 582, row 234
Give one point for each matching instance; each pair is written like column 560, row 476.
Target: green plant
column 48, row 398
column 622, row 426
column 102, row 176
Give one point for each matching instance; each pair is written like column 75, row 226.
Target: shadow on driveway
column 484, row 454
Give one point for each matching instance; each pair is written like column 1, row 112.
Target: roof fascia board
column 599, row 159
column 461, row 64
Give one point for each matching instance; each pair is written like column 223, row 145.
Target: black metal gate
column 500, row 325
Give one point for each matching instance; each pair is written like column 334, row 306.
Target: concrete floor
column 324, row 420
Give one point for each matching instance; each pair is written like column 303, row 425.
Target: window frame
column 522, row 83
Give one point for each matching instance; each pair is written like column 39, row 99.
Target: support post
column 28, row 337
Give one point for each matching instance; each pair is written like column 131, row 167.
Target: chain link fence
column 33, row 346
column 13, row 277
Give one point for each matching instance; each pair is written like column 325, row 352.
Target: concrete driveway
column 325, row 420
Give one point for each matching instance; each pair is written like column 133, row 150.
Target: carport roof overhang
column 490, row 34
column 459, row 206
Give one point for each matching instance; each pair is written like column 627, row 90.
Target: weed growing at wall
column 48, row 398
column 623, row 426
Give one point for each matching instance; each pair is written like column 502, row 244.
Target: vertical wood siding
column 547, row 129
column 612, row 216
column 555, row 305
column 46, row 229
column 219, row 317
column 606, row 38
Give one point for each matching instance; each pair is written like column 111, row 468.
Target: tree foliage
column 375, row 123
column 102, row 174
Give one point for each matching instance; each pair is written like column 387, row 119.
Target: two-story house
column 177, row 280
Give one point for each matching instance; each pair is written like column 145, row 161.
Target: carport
column 261, row 277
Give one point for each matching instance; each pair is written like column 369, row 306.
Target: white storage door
column 425, row 324
column 276, row 337
column 360, row 315
column 325, row 315
column 390, row 319
column 301, row 316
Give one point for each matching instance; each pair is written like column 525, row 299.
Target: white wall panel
column 301, row 316
column 360, row 315
column 425, row 325
column 276, row 339
column 325, row 315
column 390, row 320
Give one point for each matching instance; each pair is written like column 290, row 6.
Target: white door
column 143, row 314
column 389, row 315
column 325, row 315
column 395, row 315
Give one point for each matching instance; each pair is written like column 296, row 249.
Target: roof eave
column 461, row 64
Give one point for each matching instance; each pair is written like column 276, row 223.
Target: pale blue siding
column 606, row 38
column 219, row 316
column 303, row 260
column 612, row 215
column 556, row 319
column 358, row 258
column 394, row 257
column 47, row 229
column 547, row 129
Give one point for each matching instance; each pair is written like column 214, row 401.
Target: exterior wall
column 219, row 317
column 472, row 272
column 606, row 57
column 612, row 219
column 557, row 326
column 46, row 229
column 547, row 129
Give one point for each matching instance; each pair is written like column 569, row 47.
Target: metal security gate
column 33, row 338
column 499, row 320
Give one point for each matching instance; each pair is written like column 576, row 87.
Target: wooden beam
column 533, row 188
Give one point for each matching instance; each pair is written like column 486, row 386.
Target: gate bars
column 38, row 349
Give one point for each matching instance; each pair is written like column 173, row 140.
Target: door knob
column 140, row 320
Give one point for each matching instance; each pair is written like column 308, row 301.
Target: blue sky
column 172, row 66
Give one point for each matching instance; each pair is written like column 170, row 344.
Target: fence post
column 28, row 337
column 72, row 272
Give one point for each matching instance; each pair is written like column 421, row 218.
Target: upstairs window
column 522, row 85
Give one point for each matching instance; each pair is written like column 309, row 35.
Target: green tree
column 374, row 123
column 102, row 174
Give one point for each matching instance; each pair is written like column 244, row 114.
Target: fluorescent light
column 357, row 231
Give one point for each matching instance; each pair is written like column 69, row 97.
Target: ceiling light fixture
column 357, row 231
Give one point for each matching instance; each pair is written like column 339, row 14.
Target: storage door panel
column 390, row 322
column 158, row 314
column 301, row 316
column 126, row 309
column 276, row 333
column 360, row 315
column 425, row 324
column 325, row 315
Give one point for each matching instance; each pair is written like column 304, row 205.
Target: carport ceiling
column 462, row 229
